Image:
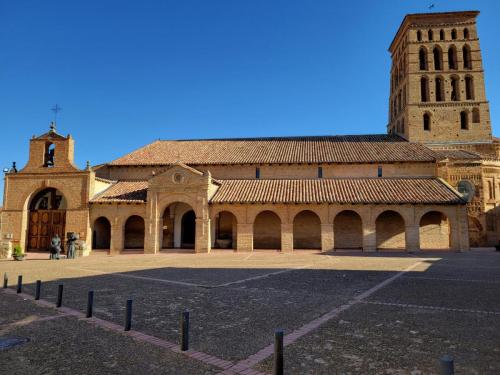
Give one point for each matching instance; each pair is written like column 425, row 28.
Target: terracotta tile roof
column 327, row 149
column 458, row 154
column 341, row 191
column 123, row 191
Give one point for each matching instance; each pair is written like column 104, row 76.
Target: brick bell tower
column 437, row 92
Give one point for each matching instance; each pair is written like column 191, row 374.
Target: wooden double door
column 43, row 225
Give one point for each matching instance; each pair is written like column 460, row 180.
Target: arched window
column 439, row 89
column 424, row 89
column 464, row 120
column 469, row 88
column 467, row 57
column 49, row 157
column 422, row 57
column 438, row 58
column 454, row 34
column 419, row 35
column 430, row 34
column 466, row 33
column 455, row 90
column 427, row 122
column 476, row 118
column 452, row 58
column 441, row 34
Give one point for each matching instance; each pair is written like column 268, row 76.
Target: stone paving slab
column 70, row 346
column 478, row 296
column 372, row 339
column 231, row 322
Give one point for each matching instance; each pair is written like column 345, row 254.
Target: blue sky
column 129, row 72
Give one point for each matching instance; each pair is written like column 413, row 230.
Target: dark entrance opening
column 47, row 217
column 188, row 229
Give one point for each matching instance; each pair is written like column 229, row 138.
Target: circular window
column 178, row 178
column 466, row 188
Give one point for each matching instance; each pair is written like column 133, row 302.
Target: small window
column 466, row 33
column 424, row 89
column 49, row 157
column 441, row 34
column 257, row 172
column 439, row 89
column 427, row 122
column 455, row 91
column 469, row 88
column 452, row 58
column 422, row 57
column 379, row 171
column 453, row 34
column 476, row 118
column 467, row 57
column 438, row 58
column 464, row 120
column 320, row 172
column 419, row 35
column 430, row 34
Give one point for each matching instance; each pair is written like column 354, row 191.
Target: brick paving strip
column 453, row 279
column 431, row 307
column 268, row 351
column 137, row 335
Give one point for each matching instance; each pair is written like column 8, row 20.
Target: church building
column 431, row 183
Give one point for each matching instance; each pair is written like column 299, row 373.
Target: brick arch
column 348, row 229
column 101, row 233
column 134, row 232
column 283, row 217
column 435, row 230
column 390, row 230
column 165, row 202
column 307, row 230
column 240, row 217
column 267, row 230
column 71, row 201
column 224, row 229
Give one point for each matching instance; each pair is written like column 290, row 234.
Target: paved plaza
column 345, row 313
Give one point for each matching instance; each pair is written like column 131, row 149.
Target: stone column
column 412, row 236
column 327, row 237
column 459, row 231
column 286, row 237
column 244, row 238
column 151, row 240
column 369, row 236
column 202, row 240
column 116, row 244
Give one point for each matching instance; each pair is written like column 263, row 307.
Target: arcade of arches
column 307, row 229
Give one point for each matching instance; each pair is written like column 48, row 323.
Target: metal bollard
column 5, row 280
column 20, row 283
column 278, row 352
column 38, row 289
column 447, row 366
column 59, row 295
column 90, row 303
column 185, row 331
column 128, row 315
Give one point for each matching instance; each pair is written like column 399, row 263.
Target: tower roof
column 432, row 18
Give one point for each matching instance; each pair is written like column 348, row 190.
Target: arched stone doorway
column 47, row 217
column 179, row 226
column 434, row 231
column 225, row 230
column 101, row 234
column 134, row 233
column 348, row 230
column 390, row 231
column 267, row 231
column 306, row 230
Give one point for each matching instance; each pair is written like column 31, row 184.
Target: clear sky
column 129, row 72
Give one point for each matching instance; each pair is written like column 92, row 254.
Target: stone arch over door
column 46, row 218
column 435, row 231
column 225, row 230
column 306, row 230
column 101, row 233
column 348, row 230
column 390, row 231
column 267, row 231
column 134, row 231
column 178, row 228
